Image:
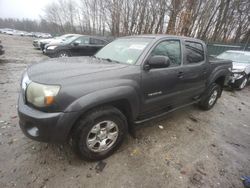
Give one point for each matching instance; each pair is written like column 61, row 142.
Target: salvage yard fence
column 218, row 48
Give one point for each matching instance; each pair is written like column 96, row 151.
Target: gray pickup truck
column 94, row 101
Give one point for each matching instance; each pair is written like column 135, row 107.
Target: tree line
column 209, row 20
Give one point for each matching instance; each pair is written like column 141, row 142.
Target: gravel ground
column 187, row 148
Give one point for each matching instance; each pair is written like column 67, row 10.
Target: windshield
column 69, row 39
column 235, row 56
column 125, row 50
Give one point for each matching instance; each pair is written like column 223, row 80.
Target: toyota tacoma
column 93, row 102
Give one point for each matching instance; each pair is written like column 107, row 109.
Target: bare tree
column 210, row 20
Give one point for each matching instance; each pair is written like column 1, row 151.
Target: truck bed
column 222, row 63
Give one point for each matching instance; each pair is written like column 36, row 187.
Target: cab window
column 171, row 49
column 194, row 52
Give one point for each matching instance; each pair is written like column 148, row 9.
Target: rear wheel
column 99, row 133
column 210, row 97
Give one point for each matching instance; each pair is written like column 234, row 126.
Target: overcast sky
column 22, row 8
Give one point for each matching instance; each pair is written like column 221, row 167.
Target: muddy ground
column 192, row 148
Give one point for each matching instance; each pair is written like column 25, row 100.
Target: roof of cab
column 160, row 36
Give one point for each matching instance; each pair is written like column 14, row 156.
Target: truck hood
column 240, row 66
column 57, row 70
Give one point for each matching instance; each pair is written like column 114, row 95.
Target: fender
column 216, row 74
column 106, row 96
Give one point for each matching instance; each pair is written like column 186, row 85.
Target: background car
column 18, row 33
column 241, row 67
column 9, row 32
column 28, row 34
column 41, row 35
column 36, row 43
column 1, row 48
column 79, row 45
column 59, row 39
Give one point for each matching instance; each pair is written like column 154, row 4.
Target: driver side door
column 161, row 86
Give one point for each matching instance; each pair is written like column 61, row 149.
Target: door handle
column 180, row 74
column 204, row 71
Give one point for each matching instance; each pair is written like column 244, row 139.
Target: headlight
column 237, row 76
column 41, row 95
column 51, row 47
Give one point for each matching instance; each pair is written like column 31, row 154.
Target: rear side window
column 97, row 41
column 194, row 52
column 171, row 49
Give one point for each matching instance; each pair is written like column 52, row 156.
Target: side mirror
column 76, row 43
column 158, row 61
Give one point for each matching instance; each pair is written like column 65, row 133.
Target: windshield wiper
column 106, row 59
column 111, row 60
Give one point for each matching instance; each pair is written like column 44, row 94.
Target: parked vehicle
column 9, row 32
column 28, row 34
column 1, row 48
column 18, row 33
column 36, row 44
column 59, row 39
column 241, row 67
column 42, row 35
column 3, row 30
column 40, row 43
column 78, row 45
column 94, row 101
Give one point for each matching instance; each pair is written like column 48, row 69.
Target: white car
column 241, row 67
column 59, row 39
column 9, row 32
column 40, row 43
column 18, row 33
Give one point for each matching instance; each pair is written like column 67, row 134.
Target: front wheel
column 99, row 133
column 243, row 84
column 210, row 97
column 63, row 54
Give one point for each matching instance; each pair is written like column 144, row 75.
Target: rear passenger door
column 194, row 70
column 96, row 44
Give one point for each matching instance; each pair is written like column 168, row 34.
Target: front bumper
column 42, row 45
column 36, row 45
column 1, row 51
column 43, row 126
column 236, row 79
column 50, row 53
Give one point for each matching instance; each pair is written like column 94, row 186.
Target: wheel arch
column 218, row 77
column 123, row 98
column 221, row 82
column 122, row 105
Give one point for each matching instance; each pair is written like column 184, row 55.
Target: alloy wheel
column 102, row 136
column 213, row 97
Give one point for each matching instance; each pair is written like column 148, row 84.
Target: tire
column 210, row 97
column 63, row 54
column 243, row 83
column 92, row 143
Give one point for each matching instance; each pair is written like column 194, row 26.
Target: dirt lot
column 193, row 148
